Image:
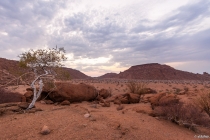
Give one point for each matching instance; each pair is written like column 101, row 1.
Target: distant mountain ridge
column 9, row 69
column 155, row 71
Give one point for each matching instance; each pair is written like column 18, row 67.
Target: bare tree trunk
column 36, row 95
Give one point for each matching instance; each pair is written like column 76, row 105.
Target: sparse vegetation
column 177, row 91
column 204, row 102
column 186, row 89
column 137, row 88
column 188, row 115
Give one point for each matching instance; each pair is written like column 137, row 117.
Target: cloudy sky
column 103, row 36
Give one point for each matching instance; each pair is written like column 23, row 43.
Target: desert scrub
column 186, row 89
column 188, row 115
column 203, row 101
column 177, row 91
column 137, row 88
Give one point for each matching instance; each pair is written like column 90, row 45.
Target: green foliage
column 62, row 73
column 42, row 58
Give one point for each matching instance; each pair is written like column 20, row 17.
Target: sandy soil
column 68, row 122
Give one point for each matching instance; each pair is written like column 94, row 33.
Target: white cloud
column 109, row 35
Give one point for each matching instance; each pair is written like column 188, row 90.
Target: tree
column 42, row 62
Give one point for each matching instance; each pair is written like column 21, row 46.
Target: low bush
column 8, row 96
column 184, row 114
column 203, row 101
column 137, row 88
column 188, row 115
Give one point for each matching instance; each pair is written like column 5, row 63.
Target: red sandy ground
column 105, row 123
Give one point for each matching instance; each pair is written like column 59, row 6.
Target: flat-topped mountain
column 155, row 71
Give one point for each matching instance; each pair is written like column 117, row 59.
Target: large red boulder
column 73, row 92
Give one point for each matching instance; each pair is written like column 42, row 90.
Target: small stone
column 55, row 104
column 32, row 111
column 87, row 115
column 92, row 119
column 42, row 102
column 38, row 109
column 45, row 130
column 23, row 105
column 120, row 107
column 66, row 102
column 93, row 105
column 49, row 102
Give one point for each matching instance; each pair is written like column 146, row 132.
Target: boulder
column 73, row 92
column 23, row 105
column 168, row 100
column 104, row 93
column 29, row 96
column 23, row 98
column 128, row 98
column 163, row 99
column 133, row 98
column 154, row 100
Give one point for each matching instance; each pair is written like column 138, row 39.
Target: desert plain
column 131, row 122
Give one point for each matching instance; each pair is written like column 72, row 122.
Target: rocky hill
column 155, row 71
column 109, row 75
column 10, row 69
column 75, row 74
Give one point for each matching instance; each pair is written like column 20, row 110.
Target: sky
column 103, row 36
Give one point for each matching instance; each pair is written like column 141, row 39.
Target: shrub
column 186, row 89
column 137, row 88
column 204, row 102
column 177, row 91
column 183, row 114
column 8, row 96
column 188, row 115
